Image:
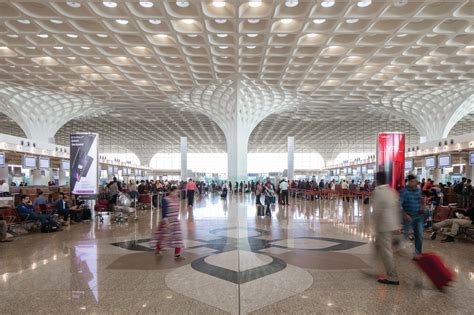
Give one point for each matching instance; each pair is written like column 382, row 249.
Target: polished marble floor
column 311, row 257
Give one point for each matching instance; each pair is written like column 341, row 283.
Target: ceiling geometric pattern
column 138, row 55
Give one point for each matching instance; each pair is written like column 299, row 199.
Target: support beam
column 184, row 157
column 291, row 158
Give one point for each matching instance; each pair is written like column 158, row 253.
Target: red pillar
column 391, row 157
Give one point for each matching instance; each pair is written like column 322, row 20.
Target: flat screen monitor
column 2, row 159
column 29, row 162
column 65, row 165
column 110, row 170
column 444, row 160
column 430, row 162
column 471, row 158
column 43, row 163
column 408, row 165
column 364, row 169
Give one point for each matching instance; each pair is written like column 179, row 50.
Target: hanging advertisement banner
column 391, row 157
column 84, row 164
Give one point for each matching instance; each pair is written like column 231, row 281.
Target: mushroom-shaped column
column 237, row 106
column 40, row 113
column 433, row 112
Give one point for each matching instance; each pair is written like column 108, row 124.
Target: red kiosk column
column 391, row 157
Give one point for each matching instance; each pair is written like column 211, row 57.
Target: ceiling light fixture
column 162, row 35
column 188, row 21
column 223, row 47
column 154, row 21
column 72, row 35
column 196, row 47
column 222, row 35
column 352, row 21
column 319, row 21
column 192, row 35
column 85, row 47
column 12, row 35
column 58, row 47
column 291, row 3
column 182, row 3
column 253, row 21
column 312, row 35
column 252, row 35
column 56, row 21
column 364, row 3
column 102, row 35
column 109, row 4
column 146, row 4
column 71, row 57
column 286, row 21
column 42, row 35
column 122, row 22
column 251, row 47
column 282, row 35
column 327, row 3
column 218, row 4
column 73, row 4
column 220, row 21
column 24, row 21
column 255, row 3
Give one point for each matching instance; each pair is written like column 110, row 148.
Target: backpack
column 49, row 228
column 459, row 188
column 86, row 214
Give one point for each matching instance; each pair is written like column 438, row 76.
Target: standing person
column 224, row 190
column 190, row 189
column 169, row 234
column 284, row 192
column 458, row 189
column 386, row 220
column 230, row 186
column 269, row 193
column 466, row 194
column 411, row 203
column 258, row 194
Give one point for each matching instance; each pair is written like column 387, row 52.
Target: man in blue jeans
column 26, row 211
column 411, row 202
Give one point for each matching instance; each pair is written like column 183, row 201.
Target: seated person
column 4, row 188
column 77, row 207
column 40, row 200
column 26, row 211
column 464, row 218
column 62, row 206
column 3, row 231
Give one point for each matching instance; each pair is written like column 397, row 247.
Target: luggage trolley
column 123, row 210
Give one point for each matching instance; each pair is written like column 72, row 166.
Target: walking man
column 411, row 203
column 190, row 189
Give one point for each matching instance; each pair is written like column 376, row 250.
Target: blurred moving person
column 386, row 219
column 190, row 189
column 411, row 202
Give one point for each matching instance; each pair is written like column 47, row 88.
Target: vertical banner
column 84, row 164
column 391, row 157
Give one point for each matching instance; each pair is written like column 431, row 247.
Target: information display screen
column 65, row 165
column 471, row 158
column 44, row 163
column 364, row 169
column 2, row 159
column 29, row 162
column 444, row 161
column 110, row 170
column 430, row 162
column 408, row 165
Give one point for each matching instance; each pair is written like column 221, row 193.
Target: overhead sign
column 84, row 164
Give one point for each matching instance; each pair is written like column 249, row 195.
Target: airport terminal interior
column 236, row 157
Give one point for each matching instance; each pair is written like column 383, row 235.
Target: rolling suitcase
column 260, row 211
column 434, row 267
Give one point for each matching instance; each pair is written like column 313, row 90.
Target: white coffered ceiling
column 139, row 56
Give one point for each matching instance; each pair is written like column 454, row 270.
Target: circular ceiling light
column 42, row 35
column 220, row 21
column 24, row 21
column 73, row 4
column 109, row 4
column 154, row 21
column 218, row 4
column 319, row 21
column 162, row 35
column 352, row 21
column 56, row 21
column 255, row 3
column 122, row 22
column 146, row 4
column 102, row 35
column 182, row 3
column 286, row 21
column 252, row 35
column 291, row 3
column 72, row 35
column 327, row 3
column 364, row 3
column 222, row 35
column 251, row 47
column 188, row 21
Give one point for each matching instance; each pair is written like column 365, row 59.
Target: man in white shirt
column 344, row 185
column 4, row 186
column 386, row 218
column 284, row 191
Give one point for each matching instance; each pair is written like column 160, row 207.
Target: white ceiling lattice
column 342, row 57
